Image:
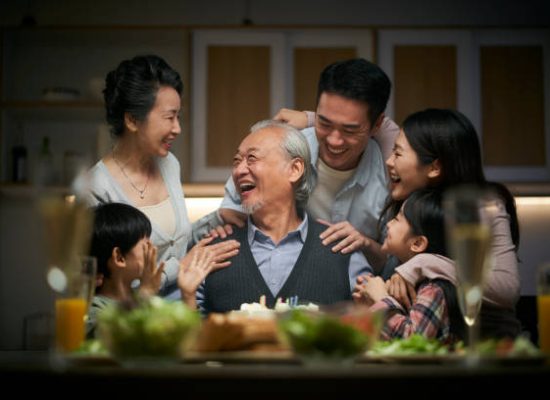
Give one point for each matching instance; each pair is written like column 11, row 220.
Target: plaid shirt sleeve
column 428, row 315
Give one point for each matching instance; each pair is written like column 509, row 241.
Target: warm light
column 533, row 201
column 199, row 206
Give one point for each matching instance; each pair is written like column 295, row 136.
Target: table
column 28, row 372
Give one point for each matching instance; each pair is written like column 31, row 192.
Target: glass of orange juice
column 71, row 304
column 543, row 306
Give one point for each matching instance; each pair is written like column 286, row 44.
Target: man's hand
column 351, row 238
column 229, row 217
column 297, row 119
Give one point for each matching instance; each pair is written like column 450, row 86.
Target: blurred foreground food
column 337, row 333
column 150, row 327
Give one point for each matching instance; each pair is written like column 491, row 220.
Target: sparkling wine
column 471, row 247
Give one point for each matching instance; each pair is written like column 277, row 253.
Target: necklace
column 140, row 191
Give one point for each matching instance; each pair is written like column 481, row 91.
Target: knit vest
column 319, row 276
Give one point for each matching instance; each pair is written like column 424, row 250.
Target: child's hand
column 374, row 288
column 357, row 294
column 200, row 261
column 151, row 276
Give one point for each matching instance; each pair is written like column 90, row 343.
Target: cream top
column 163, row 215
column 329, row 183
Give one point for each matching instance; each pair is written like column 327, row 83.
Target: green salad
column 414, row 344
column 150, row 327
column 322, row 335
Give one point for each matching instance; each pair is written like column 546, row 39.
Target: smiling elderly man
column 281, row 254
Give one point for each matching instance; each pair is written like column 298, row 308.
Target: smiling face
column 343, row 129
column 399, row 238
column 406, row 172
column 262, row 172
column 162, row 126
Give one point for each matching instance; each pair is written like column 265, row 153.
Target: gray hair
column 294, row 145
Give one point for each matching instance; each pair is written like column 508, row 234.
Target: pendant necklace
column 141, row 192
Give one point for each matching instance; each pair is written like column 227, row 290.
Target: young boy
column 418, row 230
column 120, row 242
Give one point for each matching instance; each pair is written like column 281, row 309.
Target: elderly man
column 281, row 254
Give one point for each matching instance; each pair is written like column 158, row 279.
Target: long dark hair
column 449, row 137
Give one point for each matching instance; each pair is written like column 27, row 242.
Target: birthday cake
column 251, row 328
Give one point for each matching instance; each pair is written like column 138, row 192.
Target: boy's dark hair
column 357, row 79
column 423, row 210
column 116, row 225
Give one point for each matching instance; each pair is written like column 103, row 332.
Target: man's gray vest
column 319, row 276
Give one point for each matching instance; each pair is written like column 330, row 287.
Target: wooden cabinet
column 243, row 76
column 500, row 79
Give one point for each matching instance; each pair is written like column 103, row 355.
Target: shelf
column 54, row 110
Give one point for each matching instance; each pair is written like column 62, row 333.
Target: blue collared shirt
column 275, row 261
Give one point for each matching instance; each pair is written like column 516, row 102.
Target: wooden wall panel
column 238, row 96
column 308, row 65
column 424, row 76
column 512, row 91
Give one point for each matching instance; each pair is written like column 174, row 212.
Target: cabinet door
column 241, row 77
column 498, row 79
column 238, row 78
column 514, row 93
column 427, row 69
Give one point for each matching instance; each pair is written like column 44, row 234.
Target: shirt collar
column 255, row 234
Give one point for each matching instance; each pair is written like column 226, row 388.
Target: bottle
column 19, row 164
column 44, row 168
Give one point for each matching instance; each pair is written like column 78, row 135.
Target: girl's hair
column 116, row 225
column 132, row 88
column 423, row 210
column 449, row 137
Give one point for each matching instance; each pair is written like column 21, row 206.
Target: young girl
column 418, row 231
column 120, row 242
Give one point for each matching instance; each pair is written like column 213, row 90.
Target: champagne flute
column 468, row 216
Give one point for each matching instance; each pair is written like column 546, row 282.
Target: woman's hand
column 202, row 259
column 401, row 290
column 297, row 119
column 351, row 238
column 229, row 217
column 151, row 277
